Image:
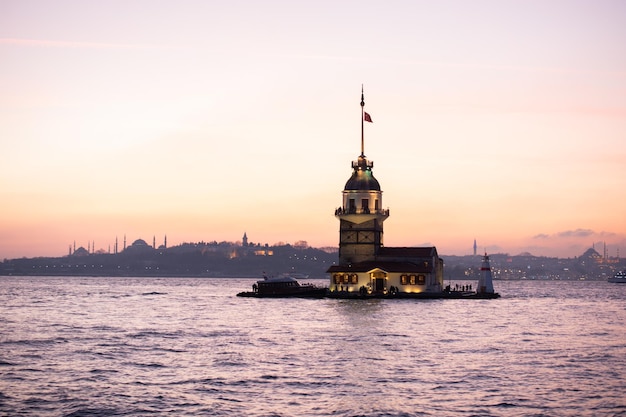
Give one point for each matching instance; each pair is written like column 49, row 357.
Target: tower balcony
column 360, row 215
column 363, row 163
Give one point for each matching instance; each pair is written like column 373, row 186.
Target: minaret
column 124, row 241
column 153, row 241
column 165, row 242
column 485, row 282
column 361, row 215
column 474, row 247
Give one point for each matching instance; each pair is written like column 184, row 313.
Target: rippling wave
column 144, row 347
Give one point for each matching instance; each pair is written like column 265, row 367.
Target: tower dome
column 362, row 178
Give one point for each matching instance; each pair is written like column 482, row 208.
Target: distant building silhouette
column 81, row 252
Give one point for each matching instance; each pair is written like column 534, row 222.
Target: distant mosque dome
column 139, row 245
column 362, row 178
column 81, row 252
column 139, row 242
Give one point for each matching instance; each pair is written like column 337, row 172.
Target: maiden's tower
column 366, row 266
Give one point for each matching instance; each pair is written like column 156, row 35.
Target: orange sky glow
column 500, row 121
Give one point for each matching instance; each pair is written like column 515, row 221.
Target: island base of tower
column 453, row 295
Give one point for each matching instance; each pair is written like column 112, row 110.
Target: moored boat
column 618, row 278
column 283, row 286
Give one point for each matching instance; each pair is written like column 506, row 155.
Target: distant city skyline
column 118, row 245
column 498, row 121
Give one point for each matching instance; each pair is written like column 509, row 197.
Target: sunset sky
column 502, row 121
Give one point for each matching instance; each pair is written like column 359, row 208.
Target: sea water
column 190, row 347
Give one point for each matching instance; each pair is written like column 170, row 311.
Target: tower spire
column 362, row 122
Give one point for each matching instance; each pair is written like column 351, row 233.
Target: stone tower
column 361, row 215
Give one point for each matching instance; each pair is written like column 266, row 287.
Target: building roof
column 362, row 178
column 400, row 259
column 387, row 266
column 407, row 252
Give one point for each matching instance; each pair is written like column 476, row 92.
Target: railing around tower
column 363, row 163
column 364, row 210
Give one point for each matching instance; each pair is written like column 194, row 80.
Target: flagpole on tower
column 362, row 122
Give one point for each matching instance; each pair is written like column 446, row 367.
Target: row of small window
column 354, row 279
column 412, row 279
column 345, row 278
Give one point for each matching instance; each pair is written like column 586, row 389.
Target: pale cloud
column 43, row 43
column 576, row 233
column 508, row 68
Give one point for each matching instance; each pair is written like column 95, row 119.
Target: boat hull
column 304, row 293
